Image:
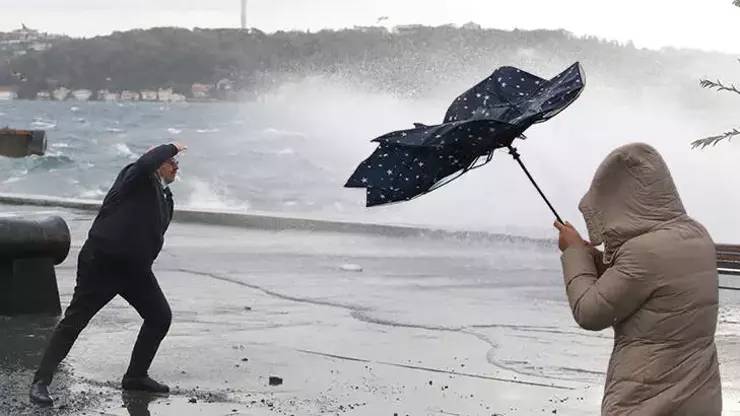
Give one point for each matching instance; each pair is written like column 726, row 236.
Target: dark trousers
column 99, row 280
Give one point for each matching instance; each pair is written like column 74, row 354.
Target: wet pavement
column 353, row 324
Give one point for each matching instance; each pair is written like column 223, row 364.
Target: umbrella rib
column 462, row 172
column 513, row 152
column 444, row 182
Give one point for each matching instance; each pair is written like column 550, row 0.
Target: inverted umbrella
column 489, row 116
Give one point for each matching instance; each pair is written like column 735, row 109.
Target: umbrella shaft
column 516, row 156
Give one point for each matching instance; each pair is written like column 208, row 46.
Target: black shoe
column 39, row 394
column 144, row 383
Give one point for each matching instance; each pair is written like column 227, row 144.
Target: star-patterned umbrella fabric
column 409, row 163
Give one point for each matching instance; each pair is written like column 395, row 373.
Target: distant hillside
column 407, row 60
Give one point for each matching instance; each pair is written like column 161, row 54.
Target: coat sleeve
column 598, row 256
column 598, row 302
column 148, row 163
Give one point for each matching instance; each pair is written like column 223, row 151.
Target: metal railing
column 728, row 262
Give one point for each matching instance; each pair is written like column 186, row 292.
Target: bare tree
column 719, row 86
column 713, row 140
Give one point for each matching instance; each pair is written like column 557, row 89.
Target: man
column 116, row 259
column 655, row 283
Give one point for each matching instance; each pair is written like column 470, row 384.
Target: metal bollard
column 29, row 249
column 22, row 143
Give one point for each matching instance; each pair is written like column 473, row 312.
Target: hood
column 632, row 192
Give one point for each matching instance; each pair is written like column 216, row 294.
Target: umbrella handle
column 513, row 152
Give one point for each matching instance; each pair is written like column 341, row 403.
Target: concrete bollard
column 29, row 249
column 22, row 143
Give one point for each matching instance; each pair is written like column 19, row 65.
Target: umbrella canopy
column 409, row 163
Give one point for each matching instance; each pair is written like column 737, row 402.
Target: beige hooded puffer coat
column 655, row 284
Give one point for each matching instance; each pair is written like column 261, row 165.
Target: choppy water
column 234, row 162
column 291, row 151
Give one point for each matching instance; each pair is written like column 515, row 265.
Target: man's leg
column 90, row 295
column 145, row 295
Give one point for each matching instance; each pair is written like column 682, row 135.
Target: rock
column 245, row 359
column 247, row 308
column 275, row 381
column 193, row 400
column 351, row 267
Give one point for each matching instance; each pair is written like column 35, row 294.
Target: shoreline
column 278, row 222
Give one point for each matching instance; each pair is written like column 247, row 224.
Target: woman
column 655, row 284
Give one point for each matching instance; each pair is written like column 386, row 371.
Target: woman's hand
column 569, row 237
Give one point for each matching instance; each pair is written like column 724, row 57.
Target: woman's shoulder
column 680, row 244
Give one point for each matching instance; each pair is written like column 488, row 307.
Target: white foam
column 351, row 267
column 92, row 194
column 124, row 150
column 206, row 195
column 282, row 133
column 13, row 179
column 43, row 124
column 173, row 130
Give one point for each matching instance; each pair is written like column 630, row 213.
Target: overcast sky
column 703, row 24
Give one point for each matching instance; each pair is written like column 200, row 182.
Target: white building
column 82, row 95
column 111, row 96
column 201, row 91
column 164, row 94
column 127, row 95
column 148, row 95
column 8, row 93
column 40, row 46
column 43, row 95
column 60, row 94
column 178, row 98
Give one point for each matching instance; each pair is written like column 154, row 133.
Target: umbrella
column 489, row 116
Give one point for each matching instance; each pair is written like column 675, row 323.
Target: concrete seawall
column 728, row 256
column 277, row 222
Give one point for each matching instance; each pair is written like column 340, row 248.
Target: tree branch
column 719, row 86
column 713, row 140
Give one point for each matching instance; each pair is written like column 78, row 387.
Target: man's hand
column 180, row 147
column 569, row 237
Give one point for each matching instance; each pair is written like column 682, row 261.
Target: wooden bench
column 728, row 259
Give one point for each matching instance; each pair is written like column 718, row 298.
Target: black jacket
column 136, row 211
